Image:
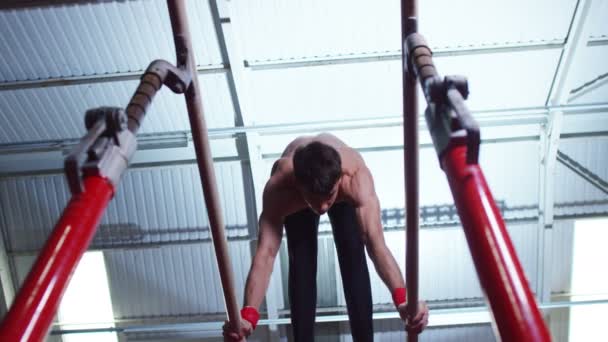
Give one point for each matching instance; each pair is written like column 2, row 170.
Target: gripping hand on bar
column 415, row 324
column 238, row 333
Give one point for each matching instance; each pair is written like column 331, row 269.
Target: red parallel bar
column 514, row 308
column 36, row 303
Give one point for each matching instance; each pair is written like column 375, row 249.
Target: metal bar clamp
column 105, row 150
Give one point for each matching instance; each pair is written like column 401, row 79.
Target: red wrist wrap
column 250, row 314
column 399, row 296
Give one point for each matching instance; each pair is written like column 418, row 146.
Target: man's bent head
column 318, row 168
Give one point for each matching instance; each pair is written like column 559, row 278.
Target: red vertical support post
column 516, row 315
column 456, row 138
column 34, row 307
column 410, row 136
column 200, row 138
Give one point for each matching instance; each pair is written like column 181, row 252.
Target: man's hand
column 418, row 323
column 232, row 334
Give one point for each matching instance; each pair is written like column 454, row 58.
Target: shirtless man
column 317, row 175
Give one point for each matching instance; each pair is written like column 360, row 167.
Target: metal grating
column 445, row 259
column 375, row 27
column 372, row 90
column 57, row 113
column 589, row 75
column 599, row 12
column 172, row 281
column 511, row 172
column 573, row 194
column 559, row 324
column 392, row 331
column 561, row 260
column 152, row 206
column 590, row 153
column 95, row 38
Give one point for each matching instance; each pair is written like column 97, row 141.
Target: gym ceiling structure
column 270, row 71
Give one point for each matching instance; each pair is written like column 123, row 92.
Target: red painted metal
column 34, row 307
column 516, row 315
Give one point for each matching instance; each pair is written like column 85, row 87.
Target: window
column 86, row 302
column 589, row 279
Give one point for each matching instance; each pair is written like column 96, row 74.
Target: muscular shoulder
column 292, row 146
column 281, row 176
column 359, row 186
column 281, row 167
column 331, row 140
column 279, row 193
column 325, row 138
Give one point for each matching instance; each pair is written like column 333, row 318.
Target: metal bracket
column 105, row 150
column 447, row 115
column 178, row 79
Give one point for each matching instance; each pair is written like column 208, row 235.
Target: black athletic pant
column 301, row 229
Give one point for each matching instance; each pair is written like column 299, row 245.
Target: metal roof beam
column 396, row 55
column 16, row 4
column 577, row 39
column 486, row 118
column 512, row 216
column 582, row 171
column 299, row 62
column 45, row 157
column 438, row 318
column 589, row 86
column 91, row 79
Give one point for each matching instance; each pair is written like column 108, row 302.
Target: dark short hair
column 317, row 167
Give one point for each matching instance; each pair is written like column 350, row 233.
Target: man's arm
column 368, row 216
column 269, row 242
